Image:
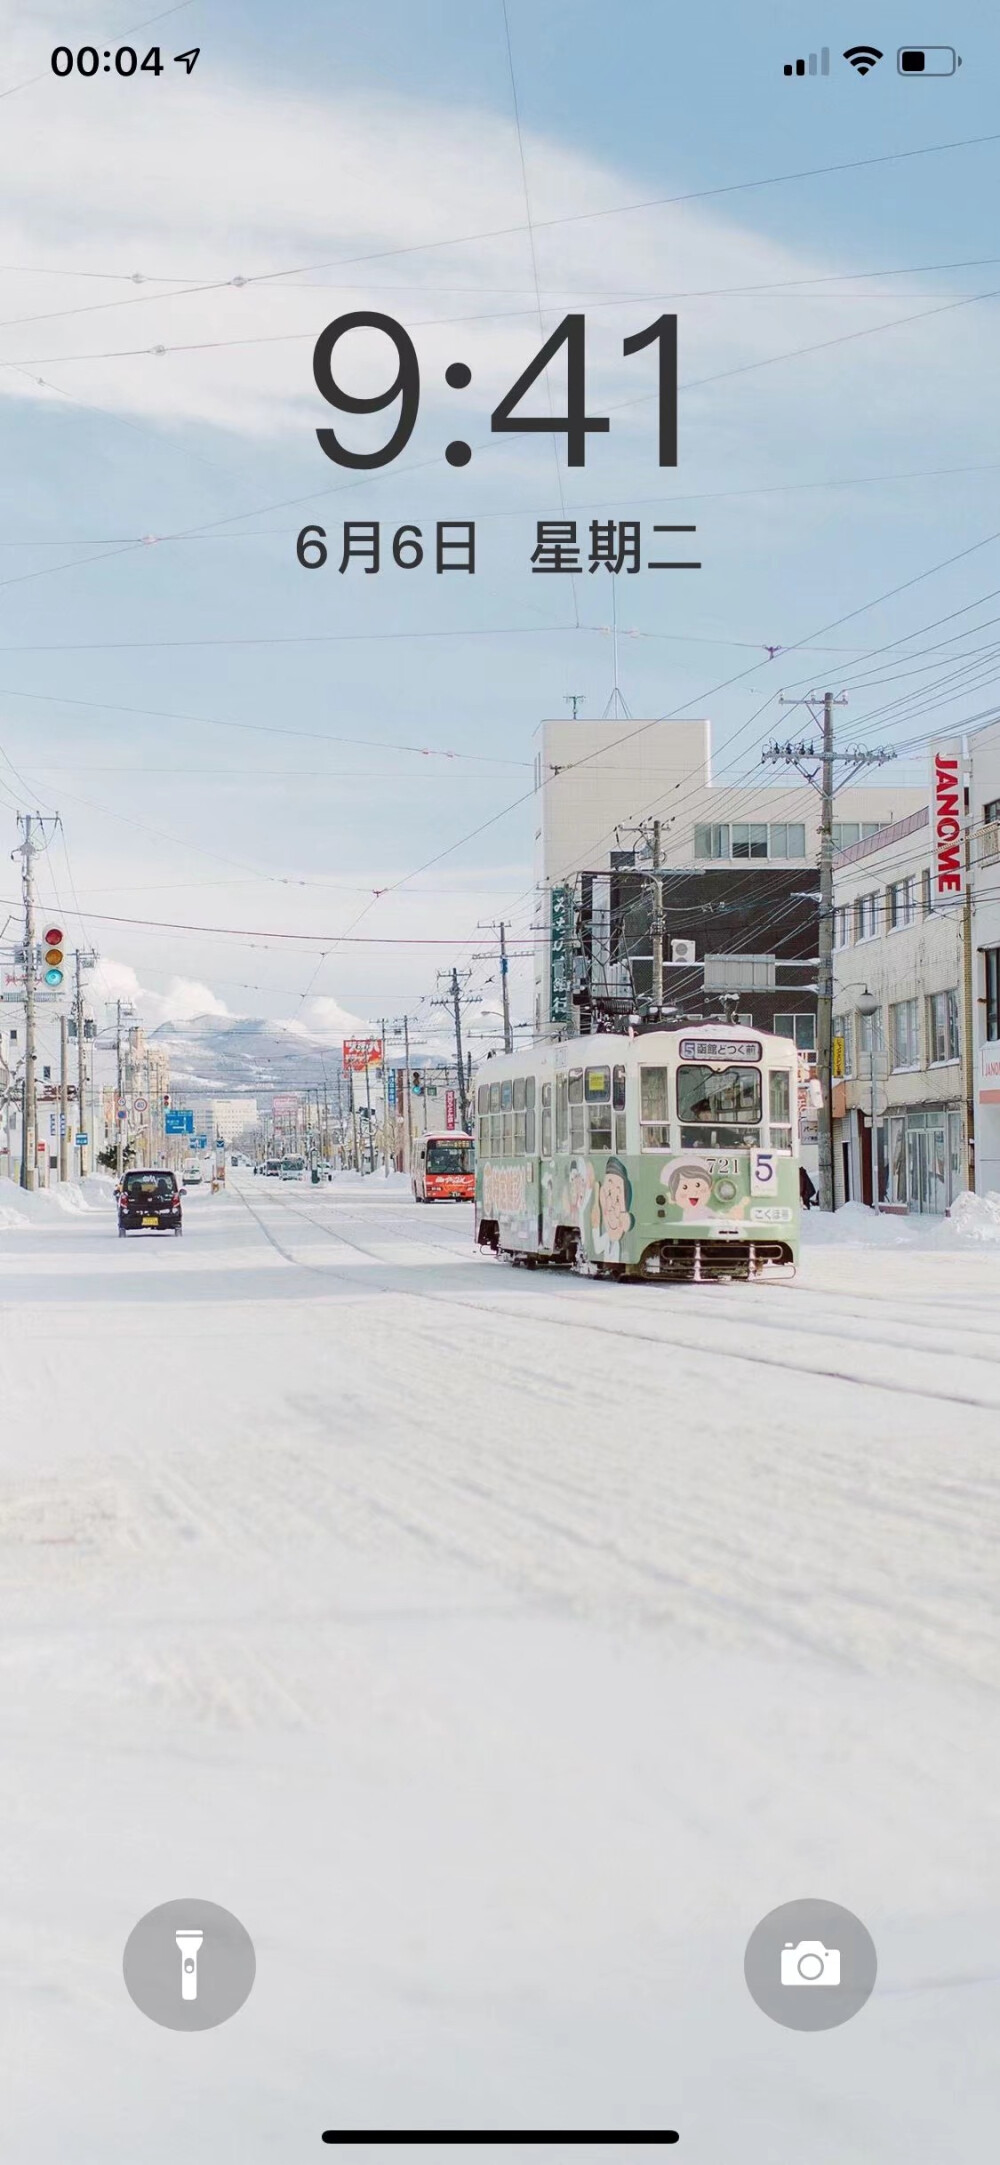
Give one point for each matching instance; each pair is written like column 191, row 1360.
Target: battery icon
column 927, row 60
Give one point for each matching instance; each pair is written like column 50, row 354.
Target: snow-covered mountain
column 226, row 1056
column 236, row 1055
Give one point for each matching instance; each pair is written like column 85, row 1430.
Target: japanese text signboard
column 559, row 966
column 361, row 1052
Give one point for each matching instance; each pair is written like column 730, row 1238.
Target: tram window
column 496, row 1135
column 529, row 1093
column 576, row 1086
column 529, row 1133
column 654, row 1108
column 519, row 1094
column 508, row 1131
column 519, row 1134
column 598, row 1085
column 562, row 1115
column 600, row 1127
column 484, row 1135
column 621, row 1135
column 578, row 1127
column 546, row 1120
column 719, row 1107
column 506, row 1096
column 618, row 1090
column 779, row 1107
column 483, row 1100
column 494, row 1097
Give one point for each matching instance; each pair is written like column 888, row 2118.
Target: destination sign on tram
column 720, row 1048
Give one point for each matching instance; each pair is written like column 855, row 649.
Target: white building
column 984, row 881
column 594, row 781
column 895, row 942
column 229, row 1118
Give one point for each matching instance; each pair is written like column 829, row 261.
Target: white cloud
column 183, row 1001
column 204, row 183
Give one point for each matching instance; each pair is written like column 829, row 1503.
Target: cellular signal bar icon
column 818, row 64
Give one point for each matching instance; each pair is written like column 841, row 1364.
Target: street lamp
column 869, row 1005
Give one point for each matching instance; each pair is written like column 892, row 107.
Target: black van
column 149, row 1201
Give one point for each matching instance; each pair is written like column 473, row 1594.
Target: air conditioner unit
column 682, row 951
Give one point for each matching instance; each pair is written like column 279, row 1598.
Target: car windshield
column 449, row 1157
column 151, row 1184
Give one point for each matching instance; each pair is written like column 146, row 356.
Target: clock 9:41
column 576, row 424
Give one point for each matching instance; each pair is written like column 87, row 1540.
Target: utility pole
column 119, row 1096
column 657, row 922
column 501, row 929
column 818, row 765
column 456, row 1001
column 651, row 833
column 63, row 1101
column 81, row 1058
column 385, row 1102
column 402, row 1022
column 29, row 823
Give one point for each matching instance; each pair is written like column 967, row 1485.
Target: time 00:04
column 127, row 62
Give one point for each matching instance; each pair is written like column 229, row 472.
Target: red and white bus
column 444, row 1168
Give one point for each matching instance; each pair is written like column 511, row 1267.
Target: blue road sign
column 82, row 1141
column 178, row 1122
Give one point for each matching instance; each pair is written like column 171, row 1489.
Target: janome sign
column 947, row 820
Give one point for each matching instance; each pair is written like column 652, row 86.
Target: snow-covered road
column 500, row 1648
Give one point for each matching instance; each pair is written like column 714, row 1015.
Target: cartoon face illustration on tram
column 612, row 1215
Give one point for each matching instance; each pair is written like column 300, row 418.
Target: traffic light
column 416, row 1081
column 166, row 1100
column 53, row 949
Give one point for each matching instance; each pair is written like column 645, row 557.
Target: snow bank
column 973, row 1221
column 20, row 1208
column 974, row 1218
column 854, row 1225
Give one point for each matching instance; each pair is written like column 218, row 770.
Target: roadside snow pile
column 974, row 1218
column 856, row 1226
column 79, row 1198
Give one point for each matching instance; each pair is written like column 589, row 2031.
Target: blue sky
column 223, row 732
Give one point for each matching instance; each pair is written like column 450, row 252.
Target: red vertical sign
column 449, row 1108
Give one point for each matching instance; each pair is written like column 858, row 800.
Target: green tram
column 670, row 1154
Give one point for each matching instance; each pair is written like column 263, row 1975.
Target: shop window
column 942, row 1027
column 992, row 961
column 711, row 841
column 788, row 839
column 904, row 1033
column 902, row 904
column 866, row 917
column 800, row 1028
column 749, row 839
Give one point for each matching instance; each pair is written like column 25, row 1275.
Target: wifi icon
column 862, row 57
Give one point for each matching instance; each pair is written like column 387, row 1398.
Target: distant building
column 229, row 1118
column 597, row 782
column 897, row 942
